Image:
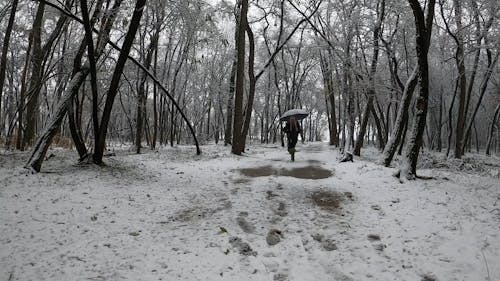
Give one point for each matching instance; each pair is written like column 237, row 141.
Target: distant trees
column 353, row 64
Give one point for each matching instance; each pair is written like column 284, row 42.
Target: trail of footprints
column 278, row 221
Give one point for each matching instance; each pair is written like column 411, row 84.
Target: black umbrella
column 299, row 114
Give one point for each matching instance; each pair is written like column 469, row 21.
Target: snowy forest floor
column 172, row 215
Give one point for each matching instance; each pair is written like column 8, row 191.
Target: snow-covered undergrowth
column 172, row 215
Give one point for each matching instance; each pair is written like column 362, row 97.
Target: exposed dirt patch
column 307, row 172
column 200, row 212
column 263, row 171
column 328, row 200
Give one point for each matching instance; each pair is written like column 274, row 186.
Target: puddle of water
column 263, row 171
column 307, row 172
column 328, row 200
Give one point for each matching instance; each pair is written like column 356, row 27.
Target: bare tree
column 423, row 30
column 99, row 146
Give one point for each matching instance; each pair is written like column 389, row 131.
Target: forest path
column 172, row 215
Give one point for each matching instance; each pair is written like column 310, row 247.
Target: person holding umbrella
column 292, row 128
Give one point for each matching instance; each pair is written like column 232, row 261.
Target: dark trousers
column 292, row 140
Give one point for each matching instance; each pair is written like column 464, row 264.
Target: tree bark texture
column 5, row 50
column 237, row 144
column 401, row 120
column 423, row 26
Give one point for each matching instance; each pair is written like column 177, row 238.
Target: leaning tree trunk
column 71, row 92
column 115, row 80
column 423, row 26
column 401, row 120
column 43, row 143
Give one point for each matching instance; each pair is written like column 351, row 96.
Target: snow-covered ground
column 172, row 215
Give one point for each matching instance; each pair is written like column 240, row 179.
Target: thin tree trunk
column 22, row 97
column 492, row 128
column 450, row 118
column 230, row 106
column 155, row 100
column 484, row 86
column 371, row 90
column 92, row 63
column 440, row 121
column 141, row 93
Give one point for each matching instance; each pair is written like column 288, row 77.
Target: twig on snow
column 487, row 268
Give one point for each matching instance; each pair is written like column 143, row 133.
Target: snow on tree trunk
column 423, row 26
column 44, row 141
column 402, row 116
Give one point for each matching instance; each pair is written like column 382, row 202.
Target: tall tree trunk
column 440, row 121
column 329, row 98
column 40, row 56
column 22, row 97
column 115, row 80
column 371, row 90
column 141, row 93
column 155, row 100
column 36, row 77
column 230, row 106
column 93, row 69
column 423, row 26
column 462, row 84
column 3, row 58
column 238, row 143
column 251, row 88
